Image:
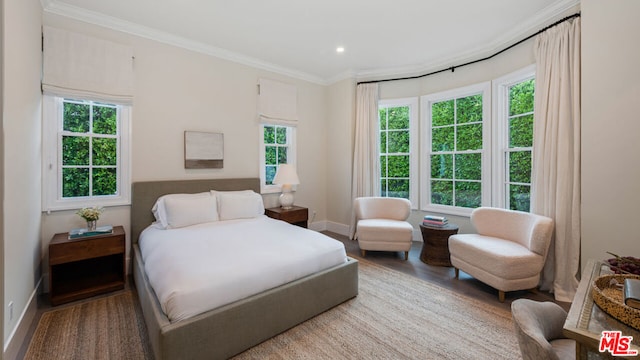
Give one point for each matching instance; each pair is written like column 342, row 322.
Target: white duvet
column 202, row 267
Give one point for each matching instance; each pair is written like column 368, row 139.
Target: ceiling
column 299, row 38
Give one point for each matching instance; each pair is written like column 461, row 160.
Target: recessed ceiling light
column 339, row 49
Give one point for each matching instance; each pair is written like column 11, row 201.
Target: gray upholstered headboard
column 145, row 193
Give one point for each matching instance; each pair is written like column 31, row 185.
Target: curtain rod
column 453, row 68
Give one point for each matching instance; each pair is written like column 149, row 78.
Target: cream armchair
column 381, row 224
column 507, row 253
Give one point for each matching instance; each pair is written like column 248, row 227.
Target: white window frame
column 426, row 101
column 501, row 87
column 52, row 163
column 291, row 157
column 414, row 173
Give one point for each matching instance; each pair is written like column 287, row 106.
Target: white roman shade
column 81, row 66
column 277, row 103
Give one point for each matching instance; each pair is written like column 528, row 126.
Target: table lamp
column 287, row 177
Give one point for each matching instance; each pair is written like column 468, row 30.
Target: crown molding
column 543, row 18
column 59, row 8
column 546, row 16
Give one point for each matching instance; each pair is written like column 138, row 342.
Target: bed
column 230, row 329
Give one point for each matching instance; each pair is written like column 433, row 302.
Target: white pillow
column 159, row 209
column 186, row 211
column 217, row 193
column 239, row 205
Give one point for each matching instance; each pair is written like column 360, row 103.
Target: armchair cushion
column 381, row 225
column 385, row 230
column 502, row 258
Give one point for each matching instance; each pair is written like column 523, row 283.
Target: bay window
column 398, row 148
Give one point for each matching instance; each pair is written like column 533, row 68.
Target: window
column 398, row 148
column 277, row 146
column 87, row 147
column 514, row 109
column 456, row 140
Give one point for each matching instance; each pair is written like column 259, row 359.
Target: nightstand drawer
column 297, row 215
column 85, row 249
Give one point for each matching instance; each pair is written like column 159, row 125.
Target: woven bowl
column 611, row 299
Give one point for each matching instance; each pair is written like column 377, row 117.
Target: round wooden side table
column 435, row 249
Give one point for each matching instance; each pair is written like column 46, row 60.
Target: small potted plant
column 91, row 216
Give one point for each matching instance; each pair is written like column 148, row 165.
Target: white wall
column 340, row 126
column 22, row 158
column 610, row 128
column 178, row 90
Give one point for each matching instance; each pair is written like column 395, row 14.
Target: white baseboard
column 318, row 226
column 19, row 333
column 338, row 228
column 324, row 225
column 417, row 235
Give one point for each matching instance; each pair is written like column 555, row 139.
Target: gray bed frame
column 226, row 331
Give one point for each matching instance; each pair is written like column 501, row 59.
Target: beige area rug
column 396, row 316
column 106, row 328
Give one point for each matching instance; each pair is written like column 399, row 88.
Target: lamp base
column 286, row 200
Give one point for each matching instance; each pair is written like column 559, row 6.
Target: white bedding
column 202, row 267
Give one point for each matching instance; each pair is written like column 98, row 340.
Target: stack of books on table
column 82, row 233
column 436, row 221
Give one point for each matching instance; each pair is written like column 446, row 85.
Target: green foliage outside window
column 276, row 149
column 469, row 109
column 456, row 142
column 394, row 151
column 456, row 147
column 521, row 100
column 521, row 97
column 442, row 113
column 89, row 149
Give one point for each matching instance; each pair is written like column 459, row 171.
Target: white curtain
column 81, row 66
column 366, row 153
column 556, row 157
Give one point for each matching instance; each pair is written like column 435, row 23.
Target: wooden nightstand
column 297, row 215
column 84, row 267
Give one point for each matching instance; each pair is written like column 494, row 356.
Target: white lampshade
column 286, row 176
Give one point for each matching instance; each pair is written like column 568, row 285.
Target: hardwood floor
column 441, row 275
